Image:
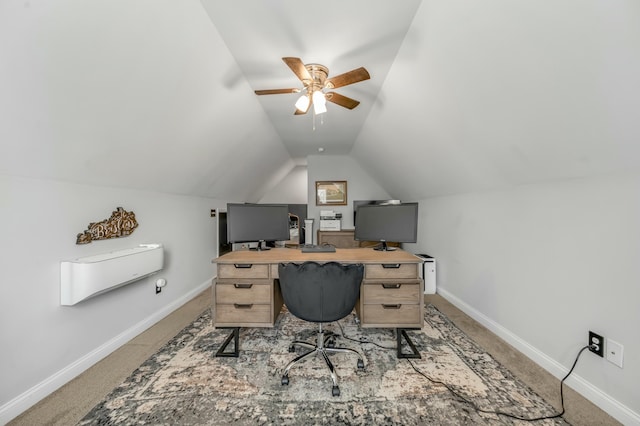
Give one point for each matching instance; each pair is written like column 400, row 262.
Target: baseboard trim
column 29, row 398
column 614, row 408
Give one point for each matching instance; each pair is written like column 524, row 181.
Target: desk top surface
column 347, row 255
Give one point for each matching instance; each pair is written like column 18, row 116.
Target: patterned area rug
column 185, row 384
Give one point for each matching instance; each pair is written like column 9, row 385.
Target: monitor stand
column 262, row 246
column 384, row 247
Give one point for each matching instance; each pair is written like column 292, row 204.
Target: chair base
column 324, row 347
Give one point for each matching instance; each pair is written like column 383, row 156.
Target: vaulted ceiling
column 340, row 35
column 464, row 95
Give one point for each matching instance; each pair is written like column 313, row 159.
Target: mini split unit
column 90, row 276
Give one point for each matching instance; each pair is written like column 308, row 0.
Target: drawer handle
column 238, row 285
column 391, row 265
column 243, row 265
column 396, row 306
column 391, row 285
column 242, row 305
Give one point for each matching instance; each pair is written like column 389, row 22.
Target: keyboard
column 319, row 249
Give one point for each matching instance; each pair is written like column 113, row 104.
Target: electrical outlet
column 160, row 282
column 596, row 344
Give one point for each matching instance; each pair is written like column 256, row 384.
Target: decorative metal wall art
column 120, row 224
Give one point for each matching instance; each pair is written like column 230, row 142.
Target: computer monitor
column 387, row 223
column 257, row 222
column 358, row 203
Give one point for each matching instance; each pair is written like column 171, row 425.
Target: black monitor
column 257, row 222
column 396, row 223
column 358, row 203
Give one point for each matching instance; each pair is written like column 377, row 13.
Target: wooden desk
column 246, row 292
column 346, row 239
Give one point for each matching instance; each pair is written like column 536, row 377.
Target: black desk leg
column 235, row 335
column 400, row 333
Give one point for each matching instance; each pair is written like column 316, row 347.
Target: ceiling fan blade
column 298, row 68
column 353, row 76
column 276, row 91
column 343, row 101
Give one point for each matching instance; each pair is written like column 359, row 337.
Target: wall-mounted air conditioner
column 86, row 277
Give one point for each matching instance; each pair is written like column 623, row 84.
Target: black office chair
column 320, row 293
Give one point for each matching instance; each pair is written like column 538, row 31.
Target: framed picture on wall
column 331, row 193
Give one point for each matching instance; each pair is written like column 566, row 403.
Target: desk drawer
column 243, row 291
column 391, row 270
column 391, row 293
column 239, row 314
column 392, row 315
column 242, row 270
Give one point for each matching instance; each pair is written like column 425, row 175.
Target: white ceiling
column 464, row 95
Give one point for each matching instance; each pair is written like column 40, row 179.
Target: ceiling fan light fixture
column 319, row 102
column 303, row 103
column 315, row 79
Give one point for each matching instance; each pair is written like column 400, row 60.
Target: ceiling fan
column 315, row 81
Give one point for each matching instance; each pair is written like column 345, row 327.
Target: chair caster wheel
column 292, row 348
column 335, row 391
column 360, row 364
column 285, row 380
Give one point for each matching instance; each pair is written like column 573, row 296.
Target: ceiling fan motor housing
column 318, row 74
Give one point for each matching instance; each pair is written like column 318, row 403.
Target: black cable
column 502, row 413
column 465, row 400
column 362, row 341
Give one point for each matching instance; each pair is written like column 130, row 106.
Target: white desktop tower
column 308, row 232
column 428, row 273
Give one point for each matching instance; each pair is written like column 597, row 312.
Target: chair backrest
column 320, row 292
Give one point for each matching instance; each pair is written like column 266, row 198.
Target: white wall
column 360, row 185
column 292, row 189
column 45, row 344
column 542, row 265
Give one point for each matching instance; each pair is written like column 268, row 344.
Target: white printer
column 330, row 220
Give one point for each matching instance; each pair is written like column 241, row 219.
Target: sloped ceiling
column 510, row 94
column 342, row 35
column 464, row 96
column 132, row 94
